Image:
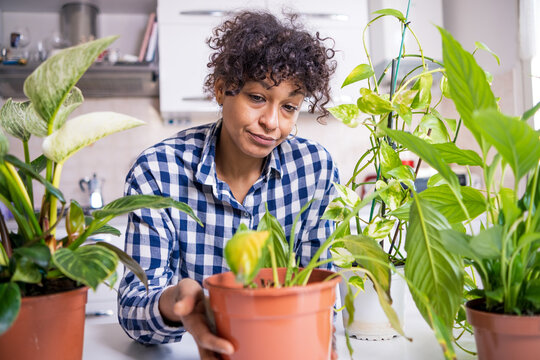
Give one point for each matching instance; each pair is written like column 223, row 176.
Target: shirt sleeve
column 315, row 229
column 151, row 241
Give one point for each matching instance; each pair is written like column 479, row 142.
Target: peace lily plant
column 32, row 258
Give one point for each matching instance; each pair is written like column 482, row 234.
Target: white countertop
column 104, row 339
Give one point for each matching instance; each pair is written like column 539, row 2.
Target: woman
column 229, row 171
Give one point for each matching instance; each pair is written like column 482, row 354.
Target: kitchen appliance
column 93, row 187
column 78, row 22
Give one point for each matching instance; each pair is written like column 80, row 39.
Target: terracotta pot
column 48, row 327
column 269, row 323
column 370, row 321
column 501, row 336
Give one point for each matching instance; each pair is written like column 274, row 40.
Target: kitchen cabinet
column 183, row 52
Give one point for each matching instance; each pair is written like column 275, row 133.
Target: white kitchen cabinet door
column 184, row 28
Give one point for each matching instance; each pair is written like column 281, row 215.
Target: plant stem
column 53, row 201
column 29, row 187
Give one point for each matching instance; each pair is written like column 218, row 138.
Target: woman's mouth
column 262, row 139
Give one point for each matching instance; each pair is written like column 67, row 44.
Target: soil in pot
column 47, row 327
column 503, row 336
column 269, row 323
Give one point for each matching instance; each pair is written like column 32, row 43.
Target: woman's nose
column 270, row 118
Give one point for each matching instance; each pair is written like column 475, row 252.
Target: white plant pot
column 370, row 321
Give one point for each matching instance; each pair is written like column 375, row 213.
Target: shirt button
column 246, row 214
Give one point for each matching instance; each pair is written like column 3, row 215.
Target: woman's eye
column 256, row 98
column 290, row 108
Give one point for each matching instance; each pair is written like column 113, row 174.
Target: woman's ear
column 219, row 91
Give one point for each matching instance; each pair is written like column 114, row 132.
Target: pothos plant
column 33, row 260
column 407, row 106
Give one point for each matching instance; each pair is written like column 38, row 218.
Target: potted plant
column 407, row 104
column 503, row 252
column 44, row 279
column 266, row 299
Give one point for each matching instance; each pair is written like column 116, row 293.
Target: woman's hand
column 183, row 305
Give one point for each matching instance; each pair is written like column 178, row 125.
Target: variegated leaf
column 84, row 130
column 90, row 265
column 12, row 117
column 49, row 85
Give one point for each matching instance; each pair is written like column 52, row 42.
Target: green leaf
column 444, row 200
column 127, row 260
column 130, row 203
column 404, row 112
column 515, row 140
column 30, row 171
column 346, row 113
column 445, row 88
column 335, row 211
column 350, row 197
column 12, row 116
column 405, row 97
column 26, row 271
column 403, row 173
column 349, row 304
column 361, row 72
column 509, row 205
column 488, row 243
column 83, row 131
column 469, row 88
column 428, row 153
column 356, row 281
column 49, row 85
column 73, row 100
column 389, row 158
column 435, row 180
column 481, row 45
column 458, row 243
column 430, row 268
column 107, row 229
column 36, row 253
column 371, row 103
column 342, row 257
column 379, row 228
column 443, row 334
column 75, row 220
column 34, row 123
column 90, row 265
column 454, row 155
column 530, row 113
column 278, row 239
column 10, row 304
column 423, row 88
column 245, row 253
column 393, row 196
column 432, row 130
column 4, row 144
column 370, row 256
column 391, row 12
column 532, row 292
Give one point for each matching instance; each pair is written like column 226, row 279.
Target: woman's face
column 260, row 117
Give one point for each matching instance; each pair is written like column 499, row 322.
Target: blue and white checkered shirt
column 170, row 246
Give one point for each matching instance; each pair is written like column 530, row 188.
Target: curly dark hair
column 254, row 45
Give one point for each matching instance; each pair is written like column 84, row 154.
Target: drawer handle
column 216, row 13
column 339, row 17
column 196, row 98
